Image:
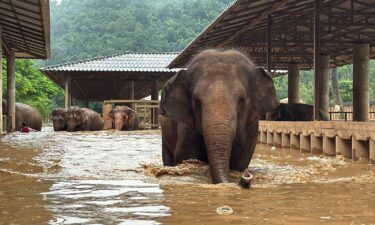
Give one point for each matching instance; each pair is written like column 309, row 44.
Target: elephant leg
column 166, row 154
column 243, row 149
column 190, row 145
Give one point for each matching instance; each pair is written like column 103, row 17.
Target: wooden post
column 293, row 83
column 67, row 92
column 131, row 93
column 107, row 107
column 155, row 96
column 361, row 70
column 1, row 82
column 11, row 92
column 317, row 67
column 269, row 43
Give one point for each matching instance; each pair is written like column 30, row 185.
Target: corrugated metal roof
column 26, row 28
column 127, row 62
column 291, row 22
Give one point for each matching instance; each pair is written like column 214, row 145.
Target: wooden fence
column 347, row 113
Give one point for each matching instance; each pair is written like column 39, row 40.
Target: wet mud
column 111, row 177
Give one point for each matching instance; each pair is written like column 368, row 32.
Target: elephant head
column 75, row 119
column 59, row 119
column 124, row 118
column 221, row 94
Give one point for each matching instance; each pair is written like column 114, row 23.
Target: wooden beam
column 256, row 21
column 11, row 91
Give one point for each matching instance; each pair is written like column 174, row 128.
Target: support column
column 293, row 83
column 361, row 82
column 269, row 43
column 131, row 94
column 11, row 92
column 1, row 83
column 317, row 80
column 107, row 121
column 155, row 96
column 67, row 93
column 324, row 87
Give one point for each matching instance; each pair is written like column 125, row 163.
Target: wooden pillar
column 1, row 83
column 361, row 82
column 293, row 83
column 269, row 43
column 155, row 96
column 317, row 67
column 324, row 87
column 11, row 92
column 67, row 92
column 107, row 107
column 131, row 93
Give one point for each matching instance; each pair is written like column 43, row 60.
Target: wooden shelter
column 123, row 76
column 299, row 34
column 24, row 33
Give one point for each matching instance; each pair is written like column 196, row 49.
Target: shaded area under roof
column 26, row 28
column 106, row 77
column 244, row 25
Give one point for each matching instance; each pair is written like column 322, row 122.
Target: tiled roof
column 127, row 62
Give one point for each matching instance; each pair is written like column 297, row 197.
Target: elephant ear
column 111, row 114
column 175, row 102
column 265, row 92
column 85, row 117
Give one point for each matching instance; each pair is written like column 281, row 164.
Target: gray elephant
column 59, row 119
column 80, row 119
column 211, row 110
column 25, row 114
column 124, row 118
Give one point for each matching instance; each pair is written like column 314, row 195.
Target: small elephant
column 124, row 118
column 211, row 111
column 25, row 114
column 79, row 119
column 295, row 112
column 59, row 119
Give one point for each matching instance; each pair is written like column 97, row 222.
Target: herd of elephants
column 209, row 112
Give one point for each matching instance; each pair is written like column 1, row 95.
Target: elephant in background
column 59, row 119
column 212, row 110
column 295, row 112
column 124, row 118
column 25, row 114
column 80, row 119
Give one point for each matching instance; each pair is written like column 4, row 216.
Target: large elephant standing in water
column 59, row 119
column 25, row 114
column 124, row 118
column 79, row 119
column 215, row 105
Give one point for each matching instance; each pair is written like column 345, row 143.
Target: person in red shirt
column 24, row 128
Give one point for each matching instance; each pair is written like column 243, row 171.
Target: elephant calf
column 25, row 114
column 59, row 119
column 124, row 118
column 210, row 111
column 80, row 119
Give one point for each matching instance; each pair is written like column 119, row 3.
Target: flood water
column 111, row 177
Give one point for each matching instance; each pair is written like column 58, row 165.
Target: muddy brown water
column 111, row 177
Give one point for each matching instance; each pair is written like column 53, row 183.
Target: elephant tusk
column 245, row 181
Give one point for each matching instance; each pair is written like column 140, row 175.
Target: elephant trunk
column 119, row 121
column 218, row 128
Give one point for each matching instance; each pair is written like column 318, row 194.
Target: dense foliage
column 90, row 28
column 33, row 88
